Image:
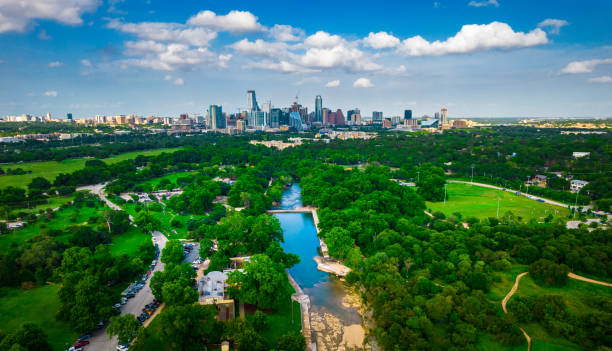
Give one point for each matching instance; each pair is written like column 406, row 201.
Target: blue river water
column 300, row 237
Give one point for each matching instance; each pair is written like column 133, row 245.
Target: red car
column 80, row 343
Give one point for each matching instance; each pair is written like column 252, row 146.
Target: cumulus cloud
column 86, row 63
column 381, row 40
column 283, row 66
column 172, row 57
column 602, row 79
column 234, row 21
column 483, row 3
column 340, row 56
column 553, row 25
column 260, row 48
column 584, row 66
column 179, row 81
column 323, row 39
column 362, row 83
column 54, row 64
column 50, row 93
column 168, row 32
column 16, row 15
column 333, row 84
column 283, row 32
column 474, row 37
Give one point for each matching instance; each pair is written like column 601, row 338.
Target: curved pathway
column 507, row 298
column 588, row 280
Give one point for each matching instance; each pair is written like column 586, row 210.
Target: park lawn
column 50, row 169
column 486, row 343
column 39, row 306
column 52, row 202
column 62, row 220
column 500, row 288
column 165, row 218
column 480, row 202
column 279, row 323
column 574, row 294
column 128, row 242
column 171, row 177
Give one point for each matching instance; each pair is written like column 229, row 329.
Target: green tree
column 263, row 283
column 187, row 328
column 173, row 252
column 291, row 342
column 124, row 327
column 339, row 242
column 28, row 336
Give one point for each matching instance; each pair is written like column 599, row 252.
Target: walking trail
column 507, row 298
column 515, row 287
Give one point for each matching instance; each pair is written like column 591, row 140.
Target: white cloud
column 168, row 77
column 584, row 66
column 602, row 79
column 281, row 66
column 323, row 39
column 42, row 35
column 362, row 83
column 553, row 25
column 283, row 32
column 2, row 61
column 86, row 63
column 474, row 37
column 50, row 93
column 167, row 32
column 340, row 56
column 333, row 84
column 260, row 48
column 234, row 21
column 16, row 15
column 483, row 3
column 381, row 40
column 179, row 81
column 54, row 64
column 172, row 57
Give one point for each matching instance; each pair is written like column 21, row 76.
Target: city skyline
column 478, row 58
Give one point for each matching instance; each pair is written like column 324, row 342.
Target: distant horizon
column 477, row 58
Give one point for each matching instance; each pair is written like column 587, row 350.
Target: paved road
column 100, row 341
column 98, row 189
column 551, row 202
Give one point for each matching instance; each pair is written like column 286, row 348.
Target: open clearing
column 480, row 202
column 38, row 305
column 50, row 169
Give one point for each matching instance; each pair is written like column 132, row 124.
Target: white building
column 580, row 154
column 577, row 185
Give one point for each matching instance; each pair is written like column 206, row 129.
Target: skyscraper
column 325, row 115
column 318, row 117
column 252, row 101
column 216, row 118
column 444, row 116
column 377, row 117
column 407, row 114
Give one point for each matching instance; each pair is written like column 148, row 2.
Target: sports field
column 50, row 169
column 475, row 201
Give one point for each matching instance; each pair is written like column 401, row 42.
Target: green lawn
column 165, row 218
column 480, row 202
column 128, row 242
column 279, row 323
column 50, row 169
column 53, row 202
column 62, row 220
column 171, row 177
column 38, row 306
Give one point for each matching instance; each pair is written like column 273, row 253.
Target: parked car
column 84, row 337
column 81, row 343
column 117, row 306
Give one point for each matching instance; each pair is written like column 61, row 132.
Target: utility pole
column 498, row 207
column 472, row 174
column 445, row 193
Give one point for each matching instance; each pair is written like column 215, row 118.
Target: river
column 336, row 324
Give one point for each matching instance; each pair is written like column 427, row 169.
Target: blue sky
column 478, row 58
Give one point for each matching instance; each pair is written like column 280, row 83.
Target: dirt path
column 588, row 280
column 507, row 298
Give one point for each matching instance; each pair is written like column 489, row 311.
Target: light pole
column 445, row 193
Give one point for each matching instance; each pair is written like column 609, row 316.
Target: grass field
column 171, row 177
column 128, row 242
column 63, row 219
column 50, row 169
column 39, row 306
column 53, row 202
column 480, row 202
column 279, row 323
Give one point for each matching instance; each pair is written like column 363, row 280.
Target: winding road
column 551, row 202
column 100, row 341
